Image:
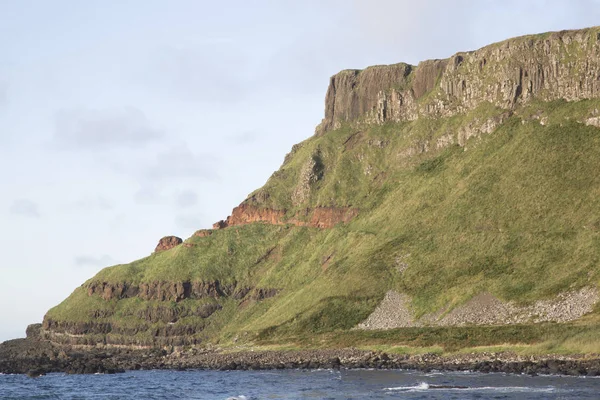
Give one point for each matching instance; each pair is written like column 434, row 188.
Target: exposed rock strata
column 159, row 325
column 559, row 65
column 161, row 291
column 484, row 309
column 170, row 291
column 319, row 217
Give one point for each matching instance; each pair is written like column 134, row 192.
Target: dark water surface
column 297, row 384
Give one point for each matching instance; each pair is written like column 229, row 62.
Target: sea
column 297, row 384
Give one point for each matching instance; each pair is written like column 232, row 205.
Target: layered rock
column 160, row 323
column 319, row 217
column 558, row 65
column 165, row 291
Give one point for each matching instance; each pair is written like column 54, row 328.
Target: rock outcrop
column 545, row 67
column 167, row 243
column 203, row 233
column 319, row 217
column 166, row 291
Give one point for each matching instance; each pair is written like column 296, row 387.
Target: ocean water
column 297, row 384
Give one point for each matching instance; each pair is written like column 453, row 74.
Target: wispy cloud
column 188, row 222
column 207, row 72
column 25, row 208
column 149, row 194
column 187, row 198
column 181, row 162
column 247, row 137
column 91, row 203
column 90, row 261
column 102, row 129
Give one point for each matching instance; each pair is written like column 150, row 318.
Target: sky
column 125, row 121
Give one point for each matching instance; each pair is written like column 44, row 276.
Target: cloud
column 413, row 31
column 90, row 261
column 101, row 129
column 244, row 137
column 169, row 167
column 180, row 162
column 91, row 203
column 211, row 72
column 186, row 199
column 25, row 208
column 188, row 222
column 148, row 194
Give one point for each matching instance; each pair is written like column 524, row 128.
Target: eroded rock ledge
column 319, row 217
column 176, row 291
column 155, row 324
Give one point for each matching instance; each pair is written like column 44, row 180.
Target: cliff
column 552, row 66
column 459, row 192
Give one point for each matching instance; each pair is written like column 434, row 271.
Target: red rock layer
column 319, row 217
column 167, row 242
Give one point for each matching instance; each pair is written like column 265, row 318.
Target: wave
column 422, row 386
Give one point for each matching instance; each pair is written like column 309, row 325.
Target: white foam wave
column 502, row 389
column 420, row 386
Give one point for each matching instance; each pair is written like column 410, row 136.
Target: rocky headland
column 457, row 193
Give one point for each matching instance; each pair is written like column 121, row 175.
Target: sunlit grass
column 515, row 213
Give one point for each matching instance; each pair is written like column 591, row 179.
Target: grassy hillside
column 514, row 212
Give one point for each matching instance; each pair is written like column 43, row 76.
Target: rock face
column 162, row 321
column 352, row 93
column 175, row 291
column 545, row 67
column 167, row 243
column 319, row 217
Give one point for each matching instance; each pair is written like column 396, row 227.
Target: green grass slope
column 514, row 212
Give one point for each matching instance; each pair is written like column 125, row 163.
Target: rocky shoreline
column 39, row 357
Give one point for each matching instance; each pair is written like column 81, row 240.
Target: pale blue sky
column 124, row 121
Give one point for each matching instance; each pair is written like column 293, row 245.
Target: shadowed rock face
column 558, row 65
column 352, row 93
column 161, row 323
column 161, row 291
column 167, row 242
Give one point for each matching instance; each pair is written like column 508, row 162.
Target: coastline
column 39, row 357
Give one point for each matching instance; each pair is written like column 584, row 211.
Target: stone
column 167, row 243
